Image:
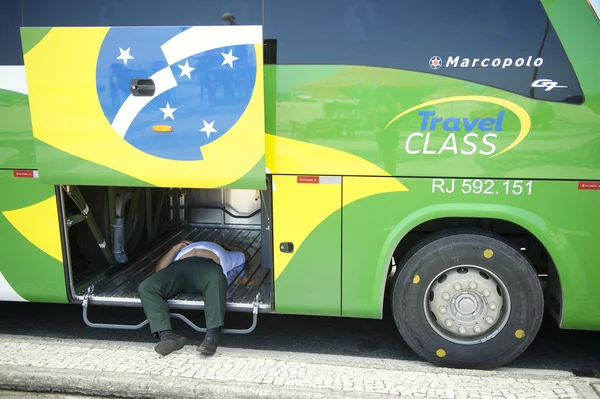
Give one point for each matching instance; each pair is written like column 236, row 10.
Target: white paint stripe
column 7, row 293
column 596, row 7
column 163, row 80
column 13, row 78
column 202, row 38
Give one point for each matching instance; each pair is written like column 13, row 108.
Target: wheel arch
column 549, row 237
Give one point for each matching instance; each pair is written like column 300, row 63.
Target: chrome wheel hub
column 467, row 304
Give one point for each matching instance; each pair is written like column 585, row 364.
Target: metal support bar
column 225, row 210
column 79, row 200
column 133, row 210
column 111, row 209
column 74, row 219
column 85, row 305
column 148, row 192
column 157, row 208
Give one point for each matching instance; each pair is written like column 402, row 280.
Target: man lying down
column 203, row 267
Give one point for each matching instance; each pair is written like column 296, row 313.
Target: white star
column 208, row 128
column 229, row 58
column 168, row 112
column 125, row 55
column 186, row 69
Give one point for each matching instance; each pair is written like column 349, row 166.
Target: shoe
column 208, row 346
column 169, row 343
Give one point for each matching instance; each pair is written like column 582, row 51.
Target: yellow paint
column 519, row 334
column 288, row 156
column 416, row 279
column 162, row 128
column 440, row 353
column 298, row 208
column 488, row 253
column 516, row 109
column 356, row 188
column 63, row 101
column 38, row 223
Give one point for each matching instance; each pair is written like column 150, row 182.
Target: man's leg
column 154, row 292
column 208, row 277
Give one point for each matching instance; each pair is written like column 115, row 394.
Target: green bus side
column 529, row 169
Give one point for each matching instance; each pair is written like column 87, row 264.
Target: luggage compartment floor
column 120, row 284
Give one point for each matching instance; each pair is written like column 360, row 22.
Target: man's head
column 231, row 247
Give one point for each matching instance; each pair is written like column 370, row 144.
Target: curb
column 103, row 384
column 325, row 359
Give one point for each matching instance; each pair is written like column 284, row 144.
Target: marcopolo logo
column 463, row 134
column 437, row 62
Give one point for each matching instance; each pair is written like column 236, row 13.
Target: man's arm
column 167, row 258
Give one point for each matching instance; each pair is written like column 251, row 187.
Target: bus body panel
column 373, row 227
column 16, row 141
column 97, row 101
column 31, row 260
column 307, row 215
column 327, row 116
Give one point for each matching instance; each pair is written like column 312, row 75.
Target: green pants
column 190, row 275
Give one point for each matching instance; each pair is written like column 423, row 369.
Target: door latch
column 287, row 247
column 142, row 87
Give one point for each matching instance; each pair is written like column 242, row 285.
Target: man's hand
column 179, row 246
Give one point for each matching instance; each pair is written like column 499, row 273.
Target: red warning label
column 589, row 185
column 24, row 173
column 308, row 179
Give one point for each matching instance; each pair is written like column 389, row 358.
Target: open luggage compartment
column 237, row 217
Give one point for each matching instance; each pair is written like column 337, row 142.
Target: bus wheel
column 467, row 299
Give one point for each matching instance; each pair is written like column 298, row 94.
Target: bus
column 439, row 157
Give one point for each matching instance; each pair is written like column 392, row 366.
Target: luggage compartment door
column 148, row 106
column 307, row 244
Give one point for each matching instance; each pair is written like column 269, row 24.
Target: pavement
column 42, row 395
column 133, row 369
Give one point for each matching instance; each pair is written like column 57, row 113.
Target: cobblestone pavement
column 35, row 395
column 314, row 373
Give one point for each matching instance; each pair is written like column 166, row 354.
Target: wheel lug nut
column 448, row 322
column 489, row 320
column 477, row 329
column 486, row 292
column 457, row 286
column 445, row 296
column 473, row 285
column 493, row 306
column 462, row 330
column 443, row 310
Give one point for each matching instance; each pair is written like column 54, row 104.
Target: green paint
column 16, row 138
column 352, row 114
column 32, row 36
column 33, row 274
column 56, row 165
column 255, row 178
column 567, row 224
column 310, row 284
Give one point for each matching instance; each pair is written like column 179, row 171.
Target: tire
column 481, row 335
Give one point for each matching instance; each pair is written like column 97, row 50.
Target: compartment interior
column 139, row 225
